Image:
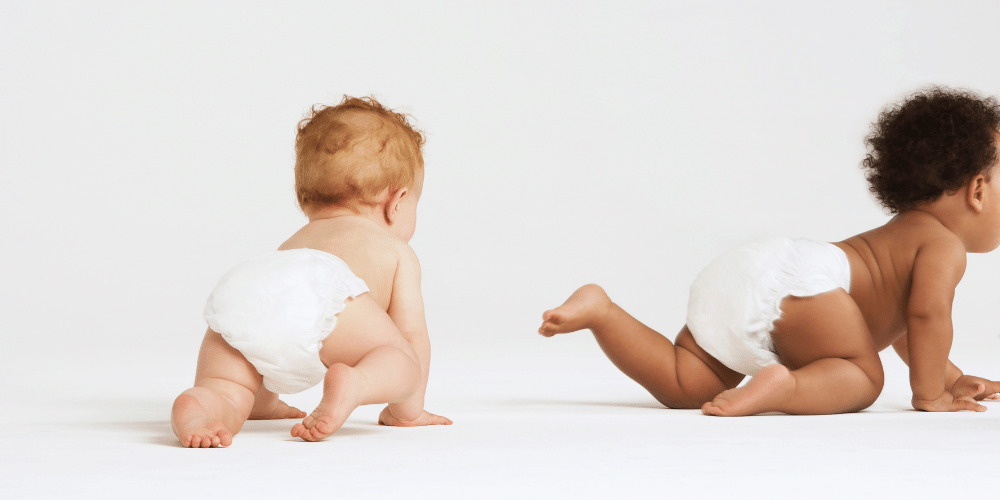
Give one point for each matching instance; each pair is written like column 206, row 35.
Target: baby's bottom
column 830, row 363
column 368, row 360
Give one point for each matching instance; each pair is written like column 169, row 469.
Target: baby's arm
column 958, row 383
column 406, row 309
column 937, row 269
column 952, row 372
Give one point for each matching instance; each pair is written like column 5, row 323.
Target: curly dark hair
column 931, row 142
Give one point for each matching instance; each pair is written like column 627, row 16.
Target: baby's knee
column 872, row 369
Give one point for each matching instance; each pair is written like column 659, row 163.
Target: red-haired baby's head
column 350, row 154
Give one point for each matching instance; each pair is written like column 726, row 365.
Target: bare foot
column 194, row 427
column 341, row 395
column 763, row 393
column 425, row 418
column 275, row 410
column 577, row 313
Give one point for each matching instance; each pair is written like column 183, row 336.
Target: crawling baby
column 806, row 320
column 339, row 302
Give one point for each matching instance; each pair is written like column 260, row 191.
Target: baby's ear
column 977, row 193
column 391, row 207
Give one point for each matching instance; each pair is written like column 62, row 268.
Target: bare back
column 882, row 269
column 372, row 253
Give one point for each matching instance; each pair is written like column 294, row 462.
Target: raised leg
column 214, row 410
column 830, row 364
column 679, row 376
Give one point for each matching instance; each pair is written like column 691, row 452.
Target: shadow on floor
column 653, row 405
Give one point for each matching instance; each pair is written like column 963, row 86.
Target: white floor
column 147, row 147
column 534, row 418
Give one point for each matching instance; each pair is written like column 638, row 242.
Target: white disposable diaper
column 736, row 299
column 277, row 308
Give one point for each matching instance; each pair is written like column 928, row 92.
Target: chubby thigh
column 827, row 325
column 361, row 327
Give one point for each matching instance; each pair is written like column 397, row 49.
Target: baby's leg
column 212, row 411
column 679, row 376
column 369, row 362
column 830, row 363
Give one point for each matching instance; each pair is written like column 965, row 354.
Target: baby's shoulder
column 922, row 230
column 384, row 250
column 368, row 249
column 909, row 239
column 377, row 243
column 385, row 260
column 928, row 240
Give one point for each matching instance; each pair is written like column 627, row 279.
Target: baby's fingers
column 990, row 390
column 947, row 402
column 966, row 403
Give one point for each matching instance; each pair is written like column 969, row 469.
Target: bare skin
column 267, row 406
column 378, row 352
column 213, row 411
column 903, row 278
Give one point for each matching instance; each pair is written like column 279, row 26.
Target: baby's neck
column 952, row 211
column 370, row 213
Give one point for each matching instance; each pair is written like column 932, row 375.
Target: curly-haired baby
column 806, row 320
column 338, row 303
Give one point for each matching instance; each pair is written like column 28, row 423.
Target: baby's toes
column 555, row 317
column 718, row 407
column 312, row 434
column 323, row 427
column 550, row 327
column 207, row 441
column 711, row 409
column 308, row 422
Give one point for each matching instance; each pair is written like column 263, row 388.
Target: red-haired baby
column 339, row 302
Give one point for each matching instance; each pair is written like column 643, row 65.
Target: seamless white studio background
column 146, row 147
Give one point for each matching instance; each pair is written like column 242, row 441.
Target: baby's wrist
column 924, row 401
column 952, row 378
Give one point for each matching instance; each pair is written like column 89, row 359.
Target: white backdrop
column 146, row 147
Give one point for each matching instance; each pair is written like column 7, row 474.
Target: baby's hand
column 947, row 402
column 425, row 418
column 976, row 388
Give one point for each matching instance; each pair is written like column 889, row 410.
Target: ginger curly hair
column 352, row 152
column 931, row 142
